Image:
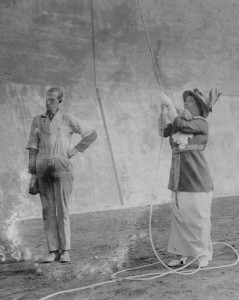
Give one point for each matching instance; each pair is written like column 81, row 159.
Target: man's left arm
column 86, row 141
column 88, row 137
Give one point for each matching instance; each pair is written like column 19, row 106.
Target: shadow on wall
column 223, row 147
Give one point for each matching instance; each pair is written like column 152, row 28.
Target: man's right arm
column 32, row 146
column 32, row 160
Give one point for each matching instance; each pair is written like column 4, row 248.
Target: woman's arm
column 195, row 126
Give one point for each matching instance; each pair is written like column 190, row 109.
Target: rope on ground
column 150, row 276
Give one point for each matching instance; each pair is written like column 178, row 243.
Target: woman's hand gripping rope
column 167, row 102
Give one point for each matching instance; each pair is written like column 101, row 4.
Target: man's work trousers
column 55, row 184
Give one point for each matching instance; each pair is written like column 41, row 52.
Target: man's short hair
column 58, row 90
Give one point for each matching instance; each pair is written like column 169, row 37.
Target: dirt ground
column 106, row 242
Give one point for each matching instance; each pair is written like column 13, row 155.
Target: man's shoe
column 177, row 262
column 65, row 256
column 52, row 256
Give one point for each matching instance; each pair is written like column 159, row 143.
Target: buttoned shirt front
column 53, row 137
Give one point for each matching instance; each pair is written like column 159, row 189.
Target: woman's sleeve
column 194, row 126
column 164, row 129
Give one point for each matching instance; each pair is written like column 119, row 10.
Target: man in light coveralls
column 49, row 163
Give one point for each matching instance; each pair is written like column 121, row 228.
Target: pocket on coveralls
column 64, row 163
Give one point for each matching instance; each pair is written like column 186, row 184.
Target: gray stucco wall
column 45, row 43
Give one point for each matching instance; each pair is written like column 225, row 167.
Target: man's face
column 52, row 102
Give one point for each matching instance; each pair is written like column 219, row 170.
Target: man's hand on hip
column 72, row 152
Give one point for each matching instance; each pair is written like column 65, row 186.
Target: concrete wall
column 45, row 43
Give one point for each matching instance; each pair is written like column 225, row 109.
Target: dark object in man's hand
column 34, row 185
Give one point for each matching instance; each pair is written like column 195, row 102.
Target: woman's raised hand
column 164, row 99
column 184, row 114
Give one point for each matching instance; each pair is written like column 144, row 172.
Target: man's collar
column 51, row 115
